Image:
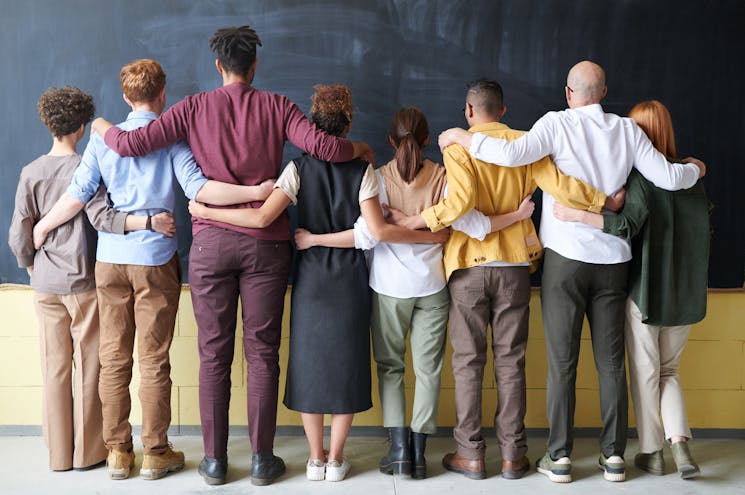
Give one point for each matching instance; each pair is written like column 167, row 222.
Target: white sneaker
column 336, row 471
column 315, row 470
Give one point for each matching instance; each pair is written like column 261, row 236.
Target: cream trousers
column 654, row 357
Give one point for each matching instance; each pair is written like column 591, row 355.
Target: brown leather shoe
column 514, row 470
column 473, row 469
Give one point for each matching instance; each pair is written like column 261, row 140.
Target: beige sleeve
column 369, row 186
column 289, row 182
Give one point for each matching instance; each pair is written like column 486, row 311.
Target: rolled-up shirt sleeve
column 87, row 176
column 186, row 170
column 289, row 182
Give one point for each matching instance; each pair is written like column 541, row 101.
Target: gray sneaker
column 558, row 471
column 687, row 467
column 613, row 467
column 652, row 463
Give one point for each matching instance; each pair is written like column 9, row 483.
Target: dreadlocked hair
column 331, row 108
column 235, row 48
column 408, row 133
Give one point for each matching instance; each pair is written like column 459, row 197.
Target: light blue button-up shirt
column 139, row 186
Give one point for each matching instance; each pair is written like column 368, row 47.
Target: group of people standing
column 416, row 278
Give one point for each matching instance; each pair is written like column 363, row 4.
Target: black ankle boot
column 398, row 460
column 418, row 462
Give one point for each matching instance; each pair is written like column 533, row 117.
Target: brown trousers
column 71, row 410
column 142, row 299
column 499, row 296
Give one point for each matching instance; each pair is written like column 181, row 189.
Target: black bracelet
column 149, row 223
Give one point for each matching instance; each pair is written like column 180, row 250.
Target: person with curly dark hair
column 237, row 134
column 328, row 371
column 62, row 276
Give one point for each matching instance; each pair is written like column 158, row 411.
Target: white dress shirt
column 596, row 147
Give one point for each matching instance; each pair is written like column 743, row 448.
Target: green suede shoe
column 687, row 467
column 652, row 463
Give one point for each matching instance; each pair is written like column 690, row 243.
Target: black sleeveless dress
column 329, row 365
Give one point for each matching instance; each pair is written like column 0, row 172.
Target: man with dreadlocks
column 237, row 134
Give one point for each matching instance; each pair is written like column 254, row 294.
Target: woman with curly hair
column 329, row 367
column 669, row 234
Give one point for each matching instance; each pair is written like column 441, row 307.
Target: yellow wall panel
column 20, row 405
column 19, row 315
column 184, row 361
column 712, row 370
column 19, row 362
column 725, row 318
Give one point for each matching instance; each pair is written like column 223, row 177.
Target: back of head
column 654, row 119
column 142, row 80
column 64, row 110
column 586, row 81
column 486, row 97
column 235, row 48
column 408, row 134
column 331, row 108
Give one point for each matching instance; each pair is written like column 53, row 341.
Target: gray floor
column 23, row 470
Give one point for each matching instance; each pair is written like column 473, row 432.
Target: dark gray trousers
column 569, row 290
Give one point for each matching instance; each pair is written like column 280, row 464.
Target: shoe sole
column 612, row 476
column 471, row 475
column 210, row 480
column 556, row 478
column 515, row 475
column 156, row 474
column 317, row 474
column 652, row 471
column 336, row 477
column 419, row 472
column 119, row 474
column 265, row 481
column 396, row 467
column 687, row 474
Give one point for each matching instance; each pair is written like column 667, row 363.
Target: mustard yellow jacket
column 495, row 190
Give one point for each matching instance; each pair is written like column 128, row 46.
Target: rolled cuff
column 433, row 223
column 117, row 224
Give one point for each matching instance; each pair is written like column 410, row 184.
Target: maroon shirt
column 237, row 135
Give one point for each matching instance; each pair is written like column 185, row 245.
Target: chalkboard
column 392, row 53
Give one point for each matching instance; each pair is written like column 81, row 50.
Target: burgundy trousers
column 225, row 265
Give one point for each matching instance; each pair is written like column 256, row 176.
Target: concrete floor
column 23, row 470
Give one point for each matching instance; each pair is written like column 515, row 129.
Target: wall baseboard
column 378, row 431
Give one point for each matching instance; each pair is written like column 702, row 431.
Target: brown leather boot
column 514, row 470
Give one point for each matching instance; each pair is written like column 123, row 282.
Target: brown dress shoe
column 473, row 469
column 514, row 470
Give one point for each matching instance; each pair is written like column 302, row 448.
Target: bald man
column 584, row 269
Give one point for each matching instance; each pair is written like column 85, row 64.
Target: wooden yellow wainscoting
column 712, row 370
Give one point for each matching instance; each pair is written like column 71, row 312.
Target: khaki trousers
column 654, row 358
column 391, row 319
column 500, row 297
column 141, row 299
column 71, row 410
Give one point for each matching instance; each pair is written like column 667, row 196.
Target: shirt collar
column 141, row 114
column 594, row 108
column 489, row 126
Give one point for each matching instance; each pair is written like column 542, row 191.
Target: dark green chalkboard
column 687, row 54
